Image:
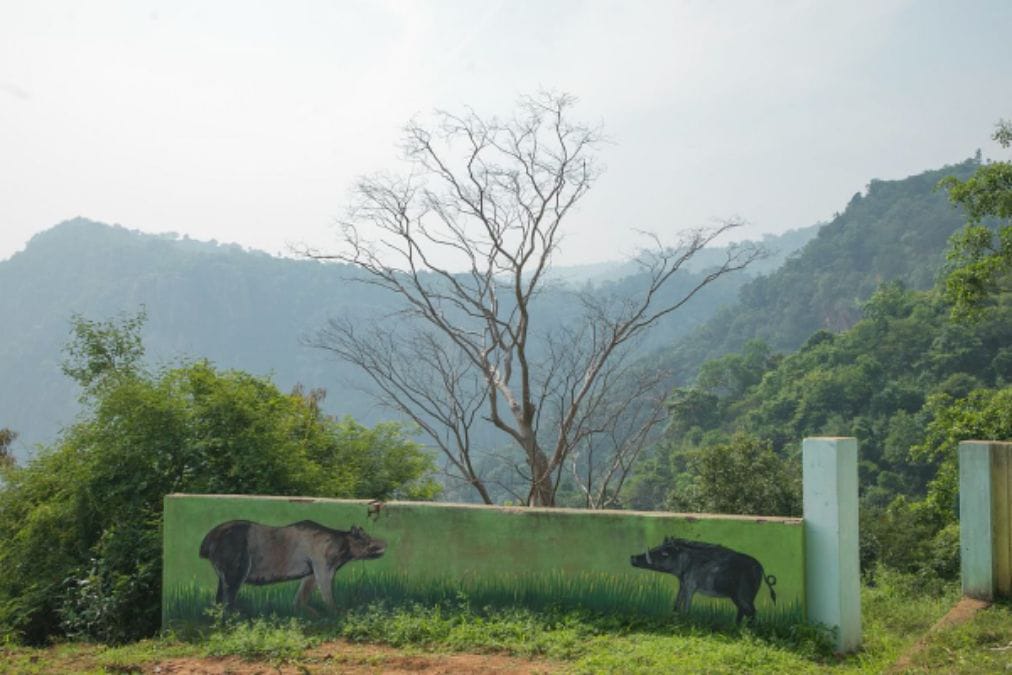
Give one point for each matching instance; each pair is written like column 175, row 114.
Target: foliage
column 980, row 259
column 101, row 350
column 895, row 613
column 265, row 639
column 983, row 414
column 7, row 438
column 80, row 537
column 894, row 231
column 905, row 377
column 557, row 634
column 743, row 476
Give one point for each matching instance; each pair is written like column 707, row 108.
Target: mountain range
column 248, row 310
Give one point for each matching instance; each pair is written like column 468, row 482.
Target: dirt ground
column 343, row 657
column 963, row 611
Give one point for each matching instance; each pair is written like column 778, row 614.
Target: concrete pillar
column 832, row 563
column 985, row 521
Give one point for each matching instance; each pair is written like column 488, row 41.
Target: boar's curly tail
column 771, row 581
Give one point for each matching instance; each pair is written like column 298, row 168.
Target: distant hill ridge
column 249, row 310
column 899, row 230
column 239, row 308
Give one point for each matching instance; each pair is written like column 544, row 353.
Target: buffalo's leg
column 232, row 575
column 325, row 582
column 302, row 595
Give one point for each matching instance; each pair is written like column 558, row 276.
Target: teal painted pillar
column 832, row 563
column 985, row 549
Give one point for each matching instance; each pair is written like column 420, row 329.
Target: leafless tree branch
column 466, row 241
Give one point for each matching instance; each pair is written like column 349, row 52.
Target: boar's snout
column 376, row 548
column 368, row 549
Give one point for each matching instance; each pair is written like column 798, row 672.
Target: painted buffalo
column 246, row 552
column 709, row 569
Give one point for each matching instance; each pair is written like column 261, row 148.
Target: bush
column 80, row 539
column 743, row 476
column 261, row 638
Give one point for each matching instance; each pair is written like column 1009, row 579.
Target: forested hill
column 238, row 308
column 249, row 310
column 897, row 231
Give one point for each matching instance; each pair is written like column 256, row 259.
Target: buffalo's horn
column 649, row 562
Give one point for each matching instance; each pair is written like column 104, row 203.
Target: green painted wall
column 493, row 555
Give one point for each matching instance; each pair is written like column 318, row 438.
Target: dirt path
column 344, row 657
column 963, row 611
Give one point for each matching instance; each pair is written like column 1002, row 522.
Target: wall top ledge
column 509, row 509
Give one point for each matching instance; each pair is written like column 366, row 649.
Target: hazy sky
column 248, row 121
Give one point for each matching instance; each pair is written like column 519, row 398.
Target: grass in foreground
column 896, row 614
column 983, row 645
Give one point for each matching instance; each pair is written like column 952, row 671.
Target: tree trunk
column 542, row 492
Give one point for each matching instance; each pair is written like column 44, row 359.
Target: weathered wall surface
column 985, row 518
column 490, row 555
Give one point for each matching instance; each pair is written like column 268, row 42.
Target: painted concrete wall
column 493, row 555
column 985, row 518
column 832, row 558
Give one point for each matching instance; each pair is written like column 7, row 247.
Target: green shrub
column 268, row 639
column 80, row 524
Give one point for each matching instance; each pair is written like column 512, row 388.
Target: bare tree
column 466, row 240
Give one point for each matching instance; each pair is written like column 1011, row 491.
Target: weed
column 267, row 639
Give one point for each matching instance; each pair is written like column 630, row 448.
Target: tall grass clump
column 269, row 639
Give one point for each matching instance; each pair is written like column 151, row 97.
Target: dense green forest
column 895, row 231
column 919, row 371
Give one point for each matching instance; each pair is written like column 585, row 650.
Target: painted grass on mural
column 648, row 597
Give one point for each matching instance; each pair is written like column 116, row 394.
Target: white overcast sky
column 248, row 121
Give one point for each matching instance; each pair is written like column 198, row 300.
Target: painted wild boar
column 709, row 569
column 246, row 552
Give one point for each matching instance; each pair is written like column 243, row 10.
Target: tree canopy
column 80, row 541
column 906, row 380
column 465, row 241
column 980, row 260
column 7, row 438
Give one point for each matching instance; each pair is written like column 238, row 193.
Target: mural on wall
column 270, row 555
column 241, row 551
column 710, row 569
